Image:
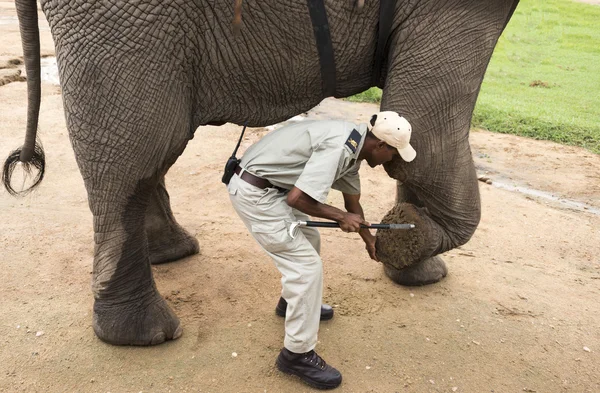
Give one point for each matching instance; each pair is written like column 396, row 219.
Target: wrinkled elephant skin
column 139, row 77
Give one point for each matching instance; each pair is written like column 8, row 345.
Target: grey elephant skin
column 139, row 77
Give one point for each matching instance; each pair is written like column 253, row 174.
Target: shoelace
column 312, row 357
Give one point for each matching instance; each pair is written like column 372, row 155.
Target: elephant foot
column 404, row 248
column 171, row 245
column 147, row 321
column 428, row 271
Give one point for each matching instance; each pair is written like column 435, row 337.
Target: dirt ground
column 518, row 312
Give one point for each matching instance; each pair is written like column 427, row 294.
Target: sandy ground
column 518, row 312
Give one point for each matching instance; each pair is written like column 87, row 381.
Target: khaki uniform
column 314, row 156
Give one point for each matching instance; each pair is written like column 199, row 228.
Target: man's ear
column 373, row 120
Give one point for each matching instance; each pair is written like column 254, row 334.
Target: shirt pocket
column 272, row 236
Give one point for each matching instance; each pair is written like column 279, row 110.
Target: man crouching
column 286, row 177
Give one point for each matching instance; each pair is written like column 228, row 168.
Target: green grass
column 372, row 95
column 543, row 81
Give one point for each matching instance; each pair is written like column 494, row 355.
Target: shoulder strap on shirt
column 353, row 140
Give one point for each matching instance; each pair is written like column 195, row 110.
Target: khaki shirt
column 314, row 156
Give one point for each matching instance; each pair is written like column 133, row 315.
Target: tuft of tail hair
column 33, row 168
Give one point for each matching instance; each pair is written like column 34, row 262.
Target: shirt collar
column 362, row 130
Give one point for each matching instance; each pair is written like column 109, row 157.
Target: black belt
column 257, row 181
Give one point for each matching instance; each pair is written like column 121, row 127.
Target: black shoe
column 310, row 367
column 326, row 310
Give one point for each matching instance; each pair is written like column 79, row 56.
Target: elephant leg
column 126, row 131
column 426, row 271
column 128, row 310
column 167, row 240
column 434, row 73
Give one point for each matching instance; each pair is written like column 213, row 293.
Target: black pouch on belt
column 230, row 166
column 232, row 162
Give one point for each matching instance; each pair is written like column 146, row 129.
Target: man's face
column 381, row 154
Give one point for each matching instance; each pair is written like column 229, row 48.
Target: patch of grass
column 544, row 77
column 570, row 133
column 543, row 81
column 372, row 95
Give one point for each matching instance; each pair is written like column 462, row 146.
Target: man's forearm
column 307, row 205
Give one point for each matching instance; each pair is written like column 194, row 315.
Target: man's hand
column 352, row 203
column 370, row 245
column 350, row 222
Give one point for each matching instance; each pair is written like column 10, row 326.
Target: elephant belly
column 267, row 73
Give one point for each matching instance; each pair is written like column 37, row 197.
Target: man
column 286, row 176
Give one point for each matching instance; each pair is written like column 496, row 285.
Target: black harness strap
column 386, row 16
column 318, row 16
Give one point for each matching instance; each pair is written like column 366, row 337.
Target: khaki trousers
column 267, row 215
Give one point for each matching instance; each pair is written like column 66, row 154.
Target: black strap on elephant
column 386, row 15
column 318, row 16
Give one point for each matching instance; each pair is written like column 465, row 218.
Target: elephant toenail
column 159, row 338
column 178, row 332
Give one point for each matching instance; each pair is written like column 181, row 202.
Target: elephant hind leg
column 123, row 152
column 167, row 240
column 128, row 310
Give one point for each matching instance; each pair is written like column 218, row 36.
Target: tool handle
column 322, row 224
column 329, row 224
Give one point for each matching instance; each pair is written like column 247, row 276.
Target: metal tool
column 330, row 224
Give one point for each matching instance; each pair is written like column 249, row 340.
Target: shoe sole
column 308, row 381
column 323, row 317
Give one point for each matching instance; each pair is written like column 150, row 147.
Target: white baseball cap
column 394, row 130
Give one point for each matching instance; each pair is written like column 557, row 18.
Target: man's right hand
column 351, row 222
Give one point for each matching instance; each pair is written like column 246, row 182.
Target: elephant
column 139, row 77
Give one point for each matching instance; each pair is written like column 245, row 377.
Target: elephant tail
column 31, row 154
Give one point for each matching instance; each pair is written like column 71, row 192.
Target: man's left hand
column 370, row 246
column 352, row 204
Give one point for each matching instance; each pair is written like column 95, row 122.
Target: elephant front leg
column 423, row 272
column 438, row 56
column 167, row 240
column 428, row 271
column 445, row 214
column 128, row 310
column 400, row 250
